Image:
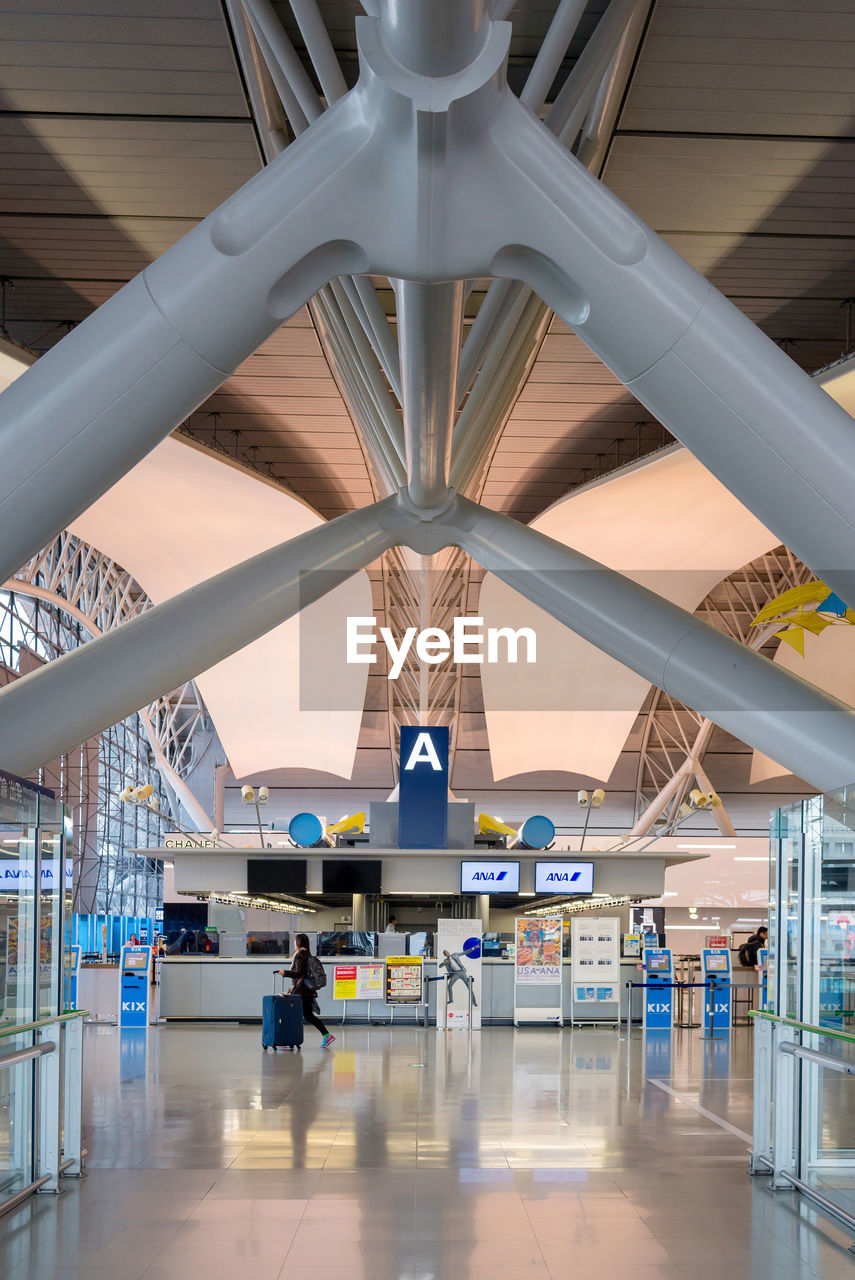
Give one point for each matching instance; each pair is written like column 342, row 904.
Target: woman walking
column 300, row 971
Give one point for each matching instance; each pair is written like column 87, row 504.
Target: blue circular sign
column 305, row 830
column 537, row 832
column 472, row 947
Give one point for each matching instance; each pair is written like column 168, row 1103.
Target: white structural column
column 802, row 727
column 100, row 400
column 430, row 322
column 76, row 696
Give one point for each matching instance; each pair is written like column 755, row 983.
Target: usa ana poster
column 538, row 951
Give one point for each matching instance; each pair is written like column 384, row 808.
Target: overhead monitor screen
column 658, row 962
column 564, row 877
column 276, row 875
column 352, row 875
column 489, row 877
column 717, row 962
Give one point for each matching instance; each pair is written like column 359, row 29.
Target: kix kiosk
column 134, row 987
column 73, row 957
column 658, row 993
column 717, row 999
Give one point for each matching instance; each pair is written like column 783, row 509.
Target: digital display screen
column 658, row 962
column 276, row 875
column 489, row 877
column 564, row 877
column 351, row 875
column 135, row 960
column 717, row 962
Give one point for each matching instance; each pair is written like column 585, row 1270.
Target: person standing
column 303, row 988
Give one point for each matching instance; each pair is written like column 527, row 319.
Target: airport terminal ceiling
column 727, row 128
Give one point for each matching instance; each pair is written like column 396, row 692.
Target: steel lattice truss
column 675, row 738
column 61, row 599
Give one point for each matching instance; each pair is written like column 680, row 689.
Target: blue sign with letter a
column 423, row 788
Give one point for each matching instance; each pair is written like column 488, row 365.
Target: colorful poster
column 458, row 964
column 538, row 950
column 404, row 980
column 344, row 981
column 369, row 982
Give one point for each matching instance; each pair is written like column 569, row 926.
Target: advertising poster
column 344, row 981
column 458, row 965
column 404, row 980
column 538, row 951
column 595, row 960
column 369, row 982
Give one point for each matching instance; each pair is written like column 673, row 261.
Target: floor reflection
column 531, row 1153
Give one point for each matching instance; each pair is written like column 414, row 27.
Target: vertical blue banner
column 423, row 788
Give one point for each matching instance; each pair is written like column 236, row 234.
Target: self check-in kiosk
column 658, row 993
column 73, row 956
column 717, row 1013
column 134, row 986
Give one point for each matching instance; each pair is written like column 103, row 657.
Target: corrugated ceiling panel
column 759, row 66
column 119, row 57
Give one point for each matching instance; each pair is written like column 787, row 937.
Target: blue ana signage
column 423, row 788
column 564, row 877
column 489, row 877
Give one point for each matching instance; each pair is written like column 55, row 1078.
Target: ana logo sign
column 558, row 877
column 563, row 877
column 489, row 877
column 468, row 642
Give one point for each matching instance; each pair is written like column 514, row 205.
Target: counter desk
column 208, row 987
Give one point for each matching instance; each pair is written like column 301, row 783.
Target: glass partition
column 812, row 981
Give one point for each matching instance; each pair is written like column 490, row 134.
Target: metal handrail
column 811, row 1055
column 24, row 1055
column 7, row 1031
column 801, row 1026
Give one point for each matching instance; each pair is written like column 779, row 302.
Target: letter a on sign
column 423, row 788
column 424, row 752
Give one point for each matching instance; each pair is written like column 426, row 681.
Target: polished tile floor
column 533, row 1154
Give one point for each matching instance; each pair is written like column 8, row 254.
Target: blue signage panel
column 423, row 788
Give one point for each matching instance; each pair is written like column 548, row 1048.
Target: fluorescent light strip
column 766, row 859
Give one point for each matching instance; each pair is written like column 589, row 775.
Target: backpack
column 748, row 955
column 316, row 974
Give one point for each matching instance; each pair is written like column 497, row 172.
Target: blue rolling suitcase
column 281, row 1021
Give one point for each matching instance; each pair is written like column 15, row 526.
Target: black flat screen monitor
column 346, row 944
column 276, row 875
column 352, row 875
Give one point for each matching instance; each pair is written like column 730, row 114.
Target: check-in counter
column 200, row 987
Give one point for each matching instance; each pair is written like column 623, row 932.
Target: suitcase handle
column 275, row 976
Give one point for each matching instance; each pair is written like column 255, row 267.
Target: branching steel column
column 107, row 679
column 430, row 321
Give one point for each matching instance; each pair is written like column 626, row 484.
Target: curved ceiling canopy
column 181, row 516
column 667, row 523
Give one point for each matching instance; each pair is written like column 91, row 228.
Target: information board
column 404, row 980
column 344, row 981
column 595, row 963
column 538, row 950
column 358, row 982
